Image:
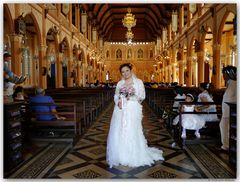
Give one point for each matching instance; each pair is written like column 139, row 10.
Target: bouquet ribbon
column 124, row 113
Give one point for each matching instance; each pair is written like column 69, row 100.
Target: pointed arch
column 9, row 19
column 140, row 53
column 220, row 29
column 37, row 27
column 119, row 54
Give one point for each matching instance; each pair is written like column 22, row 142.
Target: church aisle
column 88, row 158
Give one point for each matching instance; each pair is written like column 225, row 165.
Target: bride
column 126, row 144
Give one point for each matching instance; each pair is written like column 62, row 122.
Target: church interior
column 72, row 53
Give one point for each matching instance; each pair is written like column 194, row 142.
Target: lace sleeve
column 140, row 92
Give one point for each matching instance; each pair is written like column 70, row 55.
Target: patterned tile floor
column 88, row 157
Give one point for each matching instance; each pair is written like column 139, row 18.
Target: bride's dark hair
column 129, row 65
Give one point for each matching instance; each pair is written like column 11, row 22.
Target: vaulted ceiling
column 151, row 18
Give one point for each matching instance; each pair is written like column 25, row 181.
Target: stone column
column 42, row 65
column 169, row 33
column 84, row 67
column 181, row 18
column 174, row 64
column 160, row 75
column 166, row 74
column 70, row 68
column 170, row 73
column 174, row 79
column 200, row 58
column 188, row 16
column 16, row 53
column 189, row 71
column 78, row 76
column 59, row 78
column 216, row 77
column 181, row 72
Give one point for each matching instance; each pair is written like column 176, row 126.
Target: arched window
column 140, row 54
column 119, row 54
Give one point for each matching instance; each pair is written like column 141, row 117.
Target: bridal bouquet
column 127, row 92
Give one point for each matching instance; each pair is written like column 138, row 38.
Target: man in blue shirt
column 42, row 98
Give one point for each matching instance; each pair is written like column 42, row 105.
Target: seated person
column 190, row 121
column 205, row 96
column 179, row 96
column 8, row 75
column 18, row 94
column 42, row 98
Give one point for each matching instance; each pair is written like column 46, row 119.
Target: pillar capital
column 42, row 47
column 180, row 62
column 216, row 46
column 15, row 37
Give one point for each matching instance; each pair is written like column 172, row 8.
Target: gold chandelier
column 129, row 35
column 129, row 20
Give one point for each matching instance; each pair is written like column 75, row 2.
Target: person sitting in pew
column 205, row 96
column 42, row 98
column 190, row 121
column 18, row 94
column 179, row 96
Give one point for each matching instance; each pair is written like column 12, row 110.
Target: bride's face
column 126, row 72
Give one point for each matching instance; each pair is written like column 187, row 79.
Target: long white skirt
column 126, row 144
column 190, row 121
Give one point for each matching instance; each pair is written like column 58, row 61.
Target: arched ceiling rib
column 151, row 18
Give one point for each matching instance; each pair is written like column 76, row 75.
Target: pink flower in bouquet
column 127, row 91
column 123, row 91
column 131, row 91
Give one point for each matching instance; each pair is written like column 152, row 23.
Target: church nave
column 87, row 159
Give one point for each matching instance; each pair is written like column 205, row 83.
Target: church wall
column 46, row 16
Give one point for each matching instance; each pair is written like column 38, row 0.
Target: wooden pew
column 68, row 110
column 209, row 134
column 172, row 113
column 95, row 100
column 159, row 99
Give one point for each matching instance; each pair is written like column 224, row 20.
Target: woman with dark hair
column 205, row 96
column 180, row 96
column 230, row 95
column 18, row 94
column 126, row 144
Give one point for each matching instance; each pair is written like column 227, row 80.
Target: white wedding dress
column 126, row 144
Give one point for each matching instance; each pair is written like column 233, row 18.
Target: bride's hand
column 120, row 104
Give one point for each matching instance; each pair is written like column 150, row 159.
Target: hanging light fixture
column 129, row 35
column 129, row 20
column 94, row 35
column 164, row 34
column 84, row 22
column 174, row 21
column 192, row 7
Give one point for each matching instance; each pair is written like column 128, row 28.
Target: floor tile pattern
column 87, row 159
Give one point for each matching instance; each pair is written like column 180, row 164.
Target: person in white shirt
column 205, row 96
column 230, row 95
column 180, row 97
